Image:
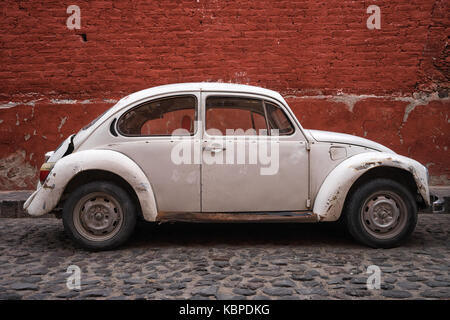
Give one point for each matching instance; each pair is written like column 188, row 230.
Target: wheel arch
column 354, row 171
column 92, row 175
column 112, row 164
column 402, row 176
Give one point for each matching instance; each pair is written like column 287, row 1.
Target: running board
column 284, row 216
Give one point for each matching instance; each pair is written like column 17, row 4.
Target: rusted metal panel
column 300, row 216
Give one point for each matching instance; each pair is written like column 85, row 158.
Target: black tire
column 115, row 201
column 368, row 203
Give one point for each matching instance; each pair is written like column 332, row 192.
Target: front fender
column 48, row 195
column 330, row 199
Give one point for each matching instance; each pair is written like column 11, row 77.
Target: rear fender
column 49, row 194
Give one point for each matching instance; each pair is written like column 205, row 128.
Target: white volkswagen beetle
column 216, row 152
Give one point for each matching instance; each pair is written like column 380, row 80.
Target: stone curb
column 11, row 203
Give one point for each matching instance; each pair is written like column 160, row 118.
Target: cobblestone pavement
column 224, row 261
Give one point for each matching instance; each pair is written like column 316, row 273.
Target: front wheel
column 381, row 213
column 99, row 216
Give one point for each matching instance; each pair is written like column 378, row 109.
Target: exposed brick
column 304, row 48
column 314, row 44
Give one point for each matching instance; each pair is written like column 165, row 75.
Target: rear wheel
column 99, row 216
column 381, row 213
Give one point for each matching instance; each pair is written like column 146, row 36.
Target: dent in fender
column 47, row 196
column 330, row 199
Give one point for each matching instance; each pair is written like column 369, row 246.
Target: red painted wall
column 390, row 85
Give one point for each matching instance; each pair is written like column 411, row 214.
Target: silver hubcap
column 98, row 216
column 384, row 214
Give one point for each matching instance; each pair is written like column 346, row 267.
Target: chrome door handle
column 214, row 149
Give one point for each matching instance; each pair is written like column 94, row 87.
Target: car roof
column 174, row 88
column 197, row 86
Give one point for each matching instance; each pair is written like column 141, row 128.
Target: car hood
column 335, row 137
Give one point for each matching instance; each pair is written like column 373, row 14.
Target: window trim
column 254, row 97
column 232, row 96
column 196, row 115
column 285, row 114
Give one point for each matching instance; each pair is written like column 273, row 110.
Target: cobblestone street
column 224, row 261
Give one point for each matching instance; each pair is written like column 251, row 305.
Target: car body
column 162, row 147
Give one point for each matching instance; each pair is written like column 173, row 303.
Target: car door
column 155, row 133
column 244, row 167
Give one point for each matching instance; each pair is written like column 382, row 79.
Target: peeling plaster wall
column 389, row 85
column 421, row 133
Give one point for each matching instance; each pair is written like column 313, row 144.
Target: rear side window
column 235, row 116
column 162, row 117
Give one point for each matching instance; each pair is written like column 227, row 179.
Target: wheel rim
column 98, row 216
column 384, row 214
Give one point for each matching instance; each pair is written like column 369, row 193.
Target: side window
column 278, row 120
column 160, row 117
column 244, row 116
